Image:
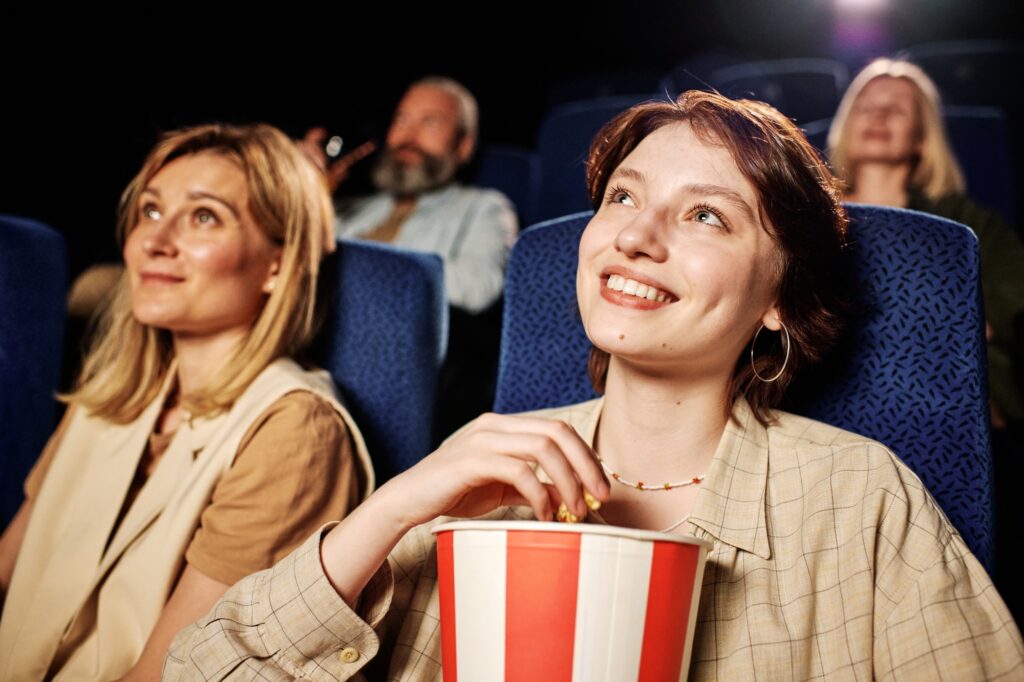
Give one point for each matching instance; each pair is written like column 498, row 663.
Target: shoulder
column 794, row 432
column 354, row 217
column 838, row 473
column 285, row 374
column 487, row 195
column 301, row 415
column 478, row 199
column 962, row 209
column 817, row 447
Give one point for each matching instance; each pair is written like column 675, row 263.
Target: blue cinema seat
column 33, row 287
column 515, row 173
column 607, row 83
column 981, row 72
column 803, row 89
column 562, row 146
column 910, row 375
column 383, row 341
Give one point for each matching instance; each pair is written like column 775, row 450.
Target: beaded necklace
column 640, row 485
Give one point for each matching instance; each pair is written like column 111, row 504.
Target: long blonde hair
column 128, row 363
column 936, row 173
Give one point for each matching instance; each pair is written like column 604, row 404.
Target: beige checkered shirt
column 830, row 561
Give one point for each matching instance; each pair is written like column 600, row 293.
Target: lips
column 626, row 287
column 408, row 152
column 159, row 278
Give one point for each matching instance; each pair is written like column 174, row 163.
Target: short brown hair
column 799, row 206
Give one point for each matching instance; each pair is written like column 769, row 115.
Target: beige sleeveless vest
column 75, row 612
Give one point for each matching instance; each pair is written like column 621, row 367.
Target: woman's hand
column 489, row 463
column 492, row 462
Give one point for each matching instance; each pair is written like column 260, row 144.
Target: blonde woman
column 888, row 146
column 194, row 450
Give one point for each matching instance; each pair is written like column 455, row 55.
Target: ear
column 270, row 283
column 772, row 319
column 464, row 149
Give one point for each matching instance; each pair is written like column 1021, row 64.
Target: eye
column 149, row 212
column 205, row 217
column 710, row 216
column 619, row 195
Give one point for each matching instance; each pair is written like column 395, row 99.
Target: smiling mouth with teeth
column 632, row 287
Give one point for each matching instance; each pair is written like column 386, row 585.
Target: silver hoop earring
column 785, row 361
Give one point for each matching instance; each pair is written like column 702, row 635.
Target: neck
column 658, row 430
column 200, row 357
column 881, row 183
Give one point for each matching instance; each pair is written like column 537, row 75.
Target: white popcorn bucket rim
column 587, row 528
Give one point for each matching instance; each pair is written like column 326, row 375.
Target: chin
column 152, row 318
column 632, row 346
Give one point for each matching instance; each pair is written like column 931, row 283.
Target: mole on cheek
column 621, row 336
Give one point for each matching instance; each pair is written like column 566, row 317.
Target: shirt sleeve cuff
column 310, row 625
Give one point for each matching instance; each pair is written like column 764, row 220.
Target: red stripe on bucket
column 542, row 578
column 446, row 596
column 670, row 592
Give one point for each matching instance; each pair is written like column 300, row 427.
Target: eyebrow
column 725, row 193
column 631, row 173
column 197, row 194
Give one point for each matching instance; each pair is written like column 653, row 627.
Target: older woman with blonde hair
column 888, row 145
column 195, row 450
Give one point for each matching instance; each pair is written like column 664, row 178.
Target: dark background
column 81, row 106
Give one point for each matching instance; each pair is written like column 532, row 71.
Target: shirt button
column 348, row 655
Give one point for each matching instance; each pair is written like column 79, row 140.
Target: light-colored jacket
column 79, row 609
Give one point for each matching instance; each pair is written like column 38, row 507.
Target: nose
column 880, row 114
column 642, row 238
column 159, row 238
column 401, row 132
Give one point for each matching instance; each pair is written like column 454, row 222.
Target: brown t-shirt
column 295, row 470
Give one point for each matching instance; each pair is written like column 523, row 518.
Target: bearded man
column 421, row 206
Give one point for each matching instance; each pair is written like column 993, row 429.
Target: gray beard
column 394, row 177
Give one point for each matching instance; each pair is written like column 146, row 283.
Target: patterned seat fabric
column 33, row 286
column 383, row 341
column 911, row 372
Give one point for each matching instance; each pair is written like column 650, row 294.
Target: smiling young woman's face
column 197, row 261
column 676, row 272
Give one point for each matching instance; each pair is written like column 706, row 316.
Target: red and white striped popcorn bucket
column 527, row 600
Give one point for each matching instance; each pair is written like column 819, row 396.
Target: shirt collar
column 436, row 196
column 731, row 502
